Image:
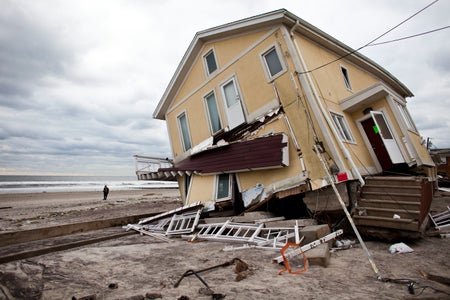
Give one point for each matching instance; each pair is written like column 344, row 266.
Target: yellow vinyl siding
column 332, row 84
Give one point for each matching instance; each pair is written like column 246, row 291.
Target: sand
column 134, row 266
column 33, row 210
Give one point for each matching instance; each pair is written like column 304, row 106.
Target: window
column 406, row 117
column 213, row 113
column 273, row 62
column 210, row 60
column 187, row 186
column 346, row 78
column 342, row 127
column 223, row 187
column 184, row 130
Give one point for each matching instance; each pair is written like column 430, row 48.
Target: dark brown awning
column 259, row 153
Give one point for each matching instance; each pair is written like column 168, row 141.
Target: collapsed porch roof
column 260, row 153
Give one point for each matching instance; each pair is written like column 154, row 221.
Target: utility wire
column 410, row 36
column 372, row 41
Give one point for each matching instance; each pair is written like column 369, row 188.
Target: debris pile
column 441, row 222
column 255, row 230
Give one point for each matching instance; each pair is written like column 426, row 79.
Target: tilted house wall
column 244, row 116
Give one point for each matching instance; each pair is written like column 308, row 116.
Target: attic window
column 272, row 62
column 346, row 78
column 342, row 127
column 210, row 61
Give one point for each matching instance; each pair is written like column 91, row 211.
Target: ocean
column 50, row 184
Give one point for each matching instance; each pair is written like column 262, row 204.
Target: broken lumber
column 279, row 259
column 437, row 278
column 170, row 213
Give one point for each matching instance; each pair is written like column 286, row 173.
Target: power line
column 369, row 43
column 410, row 36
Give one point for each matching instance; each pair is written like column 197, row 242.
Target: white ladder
column 228, row 231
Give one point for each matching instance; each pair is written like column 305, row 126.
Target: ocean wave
column 82, row 184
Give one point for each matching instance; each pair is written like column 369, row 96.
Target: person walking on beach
column 105, row 192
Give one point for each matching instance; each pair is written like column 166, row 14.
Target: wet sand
column 133, row 266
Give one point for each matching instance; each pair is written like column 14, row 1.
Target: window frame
column 208, row 112
column 346, row 77
column 266, row 67
column 406, row 117
column 216, row 192
column 182, row 133
column 342, row 127
column 206, row 64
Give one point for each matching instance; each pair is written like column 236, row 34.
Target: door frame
column 233, row 79
column 368, row 144
column 391, row 145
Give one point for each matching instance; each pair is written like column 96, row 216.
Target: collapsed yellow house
column 255, row 104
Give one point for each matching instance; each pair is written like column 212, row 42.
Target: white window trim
column 205, row 63
column 180, row 131
column 340, row 129
column 216, row 188
column 269, row 77
column 208, row 116
column 346, row 78
column 185, row 179
column 406, row 117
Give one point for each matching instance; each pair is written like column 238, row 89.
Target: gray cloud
column 28, row 53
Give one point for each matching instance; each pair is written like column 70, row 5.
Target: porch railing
column 147, row 168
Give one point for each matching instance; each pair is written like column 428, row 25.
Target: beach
column 33, row 210
column 133, row 266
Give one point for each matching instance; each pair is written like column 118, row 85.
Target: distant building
column 442, row 160
column 256, row 104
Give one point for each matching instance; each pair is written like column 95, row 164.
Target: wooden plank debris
column 170, row 213
column 178, row 224
column 441, row 220
column 159, row 226
column 228, row 231
column 139, row 229
column 309, row 246
column 184, row 223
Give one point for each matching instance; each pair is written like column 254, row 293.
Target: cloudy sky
column 79, row 80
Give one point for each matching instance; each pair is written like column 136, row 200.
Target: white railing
column 148, row 167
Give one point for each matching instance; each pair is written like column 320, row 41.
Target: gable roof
column 274, row 18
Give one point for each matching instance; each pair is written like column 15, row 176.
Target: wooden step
column 388, row 189
column 378, row 203
column 394, row 180
column 387, row 212
column 381, row 195
column 399, row 224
